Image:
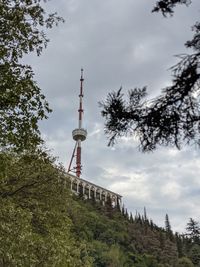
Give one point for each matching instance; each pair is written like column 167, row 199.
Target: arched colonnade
column 92, row 191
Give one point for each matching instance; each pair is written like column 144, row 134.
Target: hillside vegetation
column 43, row 224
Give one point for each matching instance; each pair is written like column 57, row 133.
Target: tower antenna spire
column 79, row 134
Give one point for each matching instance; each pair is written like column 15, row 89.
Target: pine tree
column 126, row 215
column 151, row 224
column 167, row 224
column 131, row 218
column 168, row 228
column 145, row 214
column 193, row 231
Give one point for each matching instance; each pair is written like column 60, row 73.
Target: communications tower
column 79, row 134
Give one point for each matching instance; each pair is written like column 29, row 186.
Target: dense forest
column 43, row 224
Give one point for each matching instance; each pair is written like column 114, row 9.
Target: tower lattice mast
column 79, row 134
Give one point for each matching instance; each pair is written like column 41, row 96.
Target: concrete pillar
column 71, row 183
column 100, row 192
column 84, row 188
column 89, row 186
column 115, row 200
column 106, row 194
column 120, row 203
column 77, row 186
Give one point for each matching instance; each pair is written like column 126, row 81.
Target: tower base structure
column 89, row 190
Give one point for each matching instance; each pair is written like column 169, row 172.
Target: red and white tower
column 79, row 134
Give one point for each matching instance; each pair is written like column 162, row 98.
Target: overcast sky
column 119, row 43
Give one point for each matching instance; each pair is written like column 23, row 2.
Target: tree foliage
column 184, row 262
column 194, row 254
column 35, row 228
column 22, row 104
column 193, row 231
column 173, row 118
column 167, row 6
column 55, row 228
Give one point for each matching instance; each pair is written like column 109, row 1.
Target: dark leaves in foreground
column 22, row 104
column 173, row 118
column 167, row 6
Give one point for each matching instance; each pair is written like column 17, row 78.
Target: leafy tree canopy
column 22, row 105
column 173, row 118
column 35, row 228
column 56, row 228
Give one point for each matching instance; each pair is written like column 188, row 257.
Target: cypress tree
column 131, row 218
column 145, row 214
column 168, row 228
column 126, row 215
column 151, row 224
